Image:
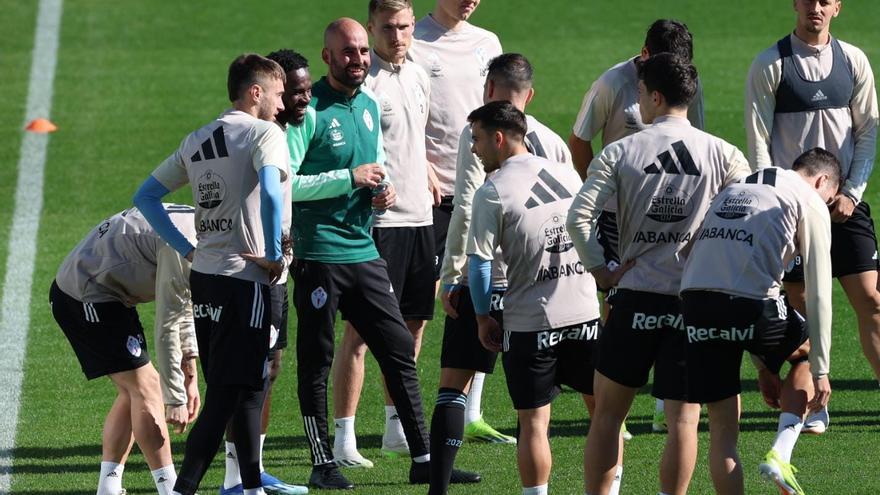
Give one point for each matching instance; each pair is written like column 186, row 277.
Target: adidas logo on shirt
column 819, row 96
column 540, row 193
column 207, row 152
column 667, row 164
column 335, row 123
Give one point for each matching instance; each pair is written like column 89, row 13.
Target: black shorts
column 462, row 348
column 442, row 216
column 719, row 327
column 608, row 235
column 644, row 330
column 853, row 246
column 106, row 337
column 409, row 252
column 278, row 329
column 232, row 323
column 538, row 363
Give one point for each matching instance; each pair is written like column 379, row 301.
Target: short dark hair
column 249, row 69
column 500, row 116
column 511, row 70
column 817, row 161
column 289, row 60
column 674, row 77
column 670, row 36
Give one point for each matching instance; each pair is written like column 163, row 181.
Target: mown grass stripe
column 15, row 316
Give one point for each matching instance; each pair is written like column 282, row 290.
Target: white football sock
column 110, row 481
column 472, row 411
column 164, row 477
column 233, row 475
column 535, row 490
column 658, row 405
column 393, row 428
column 262, row 441
column 790, row 426
column 344, row 438
column 615, row 485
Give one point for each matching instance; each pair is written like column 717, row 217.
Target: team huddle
column 411, row 170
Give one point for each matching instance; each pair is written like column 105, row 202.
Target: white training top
column 469, row 177
column 221, row 162
column 611, row 106
column 664, row 177
column 403, row 92
column 124, row 260
column 521, row 209
column 457, row 62
column 752, row 231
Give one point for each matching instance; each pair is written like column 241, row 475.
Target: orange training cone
column 41, row 126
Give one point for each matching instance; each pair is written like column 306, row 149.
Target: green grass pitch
column 134, row 77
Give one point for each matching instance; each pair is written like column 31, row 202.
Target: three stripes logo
column 667, row 164
column 213, row 147
column 90, row 313
column 543, row 191
column 819, row 96
column 257, row 308
column 533, row 144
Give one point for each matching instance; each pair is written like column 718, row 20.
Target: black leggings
column 222, row 403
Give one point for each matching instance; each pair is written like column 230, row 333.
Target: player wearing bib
column 552, row 310
column 122, row 263
column 664, row 177
column 756, row 226
column 812, row 90
column 403, row 234
column 463, row 360
column 238, row 170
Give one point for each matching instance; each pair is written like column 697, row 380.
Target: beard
column 341, row 74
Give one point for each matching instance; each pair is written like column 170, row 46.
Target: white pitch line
column 15, row 317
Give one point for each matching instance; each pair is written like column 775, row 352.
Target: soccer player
column 456, row 56
column 297, row 93
column 338, row 266
column 757, row 226
column 664, row 177
column 121, row 263
column 812, row 90
column 238, row 169
column 611, row 107
column 403, row 235
column 551, row 319
column 462, row 356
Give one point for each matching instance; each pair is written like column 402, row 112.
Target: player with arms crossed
column 757, row 226
column 238, row 169
column 551, row 320
column 121, row 263
column 812, row 90
column 664, row 177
